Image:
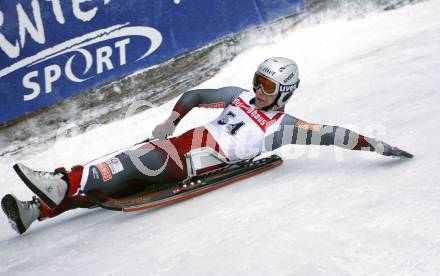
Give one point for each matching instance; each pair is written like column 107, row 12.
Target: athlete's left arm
column 295, row 131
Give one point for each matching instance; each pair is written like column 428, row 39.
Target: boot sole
column 52, row 205
column 10, row 208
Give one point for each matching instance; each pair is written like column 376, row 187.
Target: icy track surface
column 323, row 212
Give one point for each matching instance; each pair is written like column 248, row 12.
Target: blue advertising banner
column 53, row 49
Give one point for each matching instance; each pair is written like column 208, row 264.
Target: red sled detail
column 178, row 198
column 180, row 191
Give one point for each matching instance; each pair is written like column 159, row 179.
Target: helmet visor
column 268, row 86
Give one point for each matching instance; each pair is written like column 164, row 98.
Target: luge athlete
column 251, row 123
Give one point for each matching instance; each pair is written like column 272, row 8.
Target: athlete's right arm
column 207, row 98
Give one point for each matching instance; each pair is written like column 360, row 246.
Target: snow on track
column 323, row 212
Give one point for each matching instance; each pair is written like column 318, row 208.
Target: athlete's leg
column 142, row 167
column 148, row 165
column 21, row 214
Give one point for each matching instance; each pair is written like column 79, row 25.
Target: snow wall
column 50, row 50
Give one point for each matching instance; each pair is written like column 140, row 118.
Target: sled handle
column 149, row 139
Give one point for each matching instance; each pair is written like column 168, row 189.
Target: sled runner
column 194, row 185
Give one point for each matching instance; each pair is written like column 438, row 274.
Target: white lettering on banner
column 31, row 85
column 52, row 73
column 11, row 50
column 89, row 62
column 102, row 54
column 102, row 59
column 37, row 33
column 25, row 24
column 56, row 8
column 80, row 14
column 121, row 46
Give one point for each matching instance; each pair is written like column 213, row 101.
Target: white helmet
column 277, row 75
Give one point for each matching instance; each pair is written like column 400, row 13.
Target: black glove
column 163, row 130
column 388, row 150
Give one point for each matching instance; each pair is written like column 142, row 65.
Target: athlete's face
column 262, row 100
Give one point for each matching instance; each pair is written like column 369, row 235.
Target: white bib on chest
column 240, row 129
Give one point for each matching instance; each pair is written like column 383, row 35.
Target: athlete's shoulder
column 231, row 93
column 233, row 90
column 291, row 120
column 244, row 93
